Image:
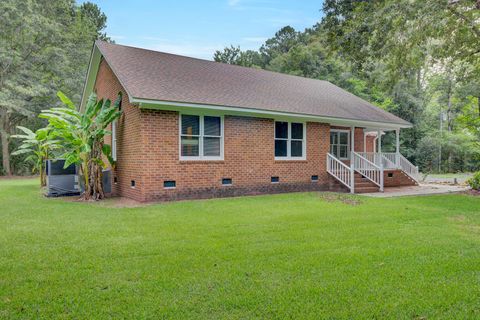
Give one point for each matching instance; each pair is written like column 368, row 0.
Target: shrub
column 474, row 182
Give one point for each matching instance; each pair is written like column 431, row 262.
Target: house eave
column 255, row 112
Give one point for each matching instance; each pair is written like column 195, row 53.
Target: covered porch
column 356, row 160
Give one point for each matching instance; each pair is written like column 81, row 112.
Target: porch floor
column 422, row 189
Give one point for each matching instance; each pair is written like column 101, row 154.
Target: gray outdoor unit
column 60, row 181
column 106, row 180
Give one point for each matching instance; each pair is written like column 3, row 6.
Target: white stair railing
column 389, row 160
column 368, row 169
column 374, row 157
column 339, row 170
column 408, row 168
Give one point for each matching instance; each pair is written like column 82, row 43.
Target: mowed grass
column 291, row 256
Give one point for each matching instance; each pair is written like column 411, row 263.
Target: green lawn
column 282, row 256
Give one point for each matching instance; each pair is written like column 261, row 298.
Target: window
column 314, row 178
column 274, row 179
column 289, row 140
column 340, row 143
column 201, row 137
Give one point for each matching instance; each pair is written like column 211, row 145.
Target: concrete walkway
column 422, row 189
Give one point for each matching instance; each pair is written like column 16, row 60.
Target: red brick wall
column 370, row 143
column 248, row 160
column 129, row 147
column 397, row 178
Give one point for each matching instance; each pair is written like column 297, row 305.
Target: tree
column 44, row 47
column 39, row 146
column 91, row 12
column 284, row 39
column 234, row 55
column 82, row 136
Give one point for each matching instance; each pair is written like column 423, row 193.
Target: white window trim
column 201, row 135
column 289, row 139
column 348, row 144
column 114, row 140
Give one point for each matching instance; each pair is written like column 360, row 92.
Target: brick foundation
column 397, row 179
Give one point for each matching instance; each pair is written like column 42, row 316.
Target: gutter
column 167, row 105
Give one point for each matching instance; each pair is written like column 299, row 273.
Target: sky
column 198, row 28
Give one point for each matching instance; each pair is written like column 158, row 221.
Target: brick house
column 193, row 128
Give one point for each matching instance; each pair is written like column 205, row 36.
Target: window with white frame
column 201, row 137
column 289, row 140
column 340, row 143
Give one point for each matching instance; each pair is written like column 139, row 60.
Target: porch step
column 369, row 189
column 363, row 185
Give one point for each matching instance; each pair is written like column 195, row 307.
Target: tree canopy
column 44, row 47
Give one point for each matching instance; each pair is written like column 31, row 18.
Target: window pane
column 334, row 150
column 211, row 126
column 211, row 147
column 190, row 125
column 281, row 130
column 280, row 148
column 343, row 138
column 333, row 137
column 343, row 152
column 190, row 146
column 297, row 130
column 296, row 148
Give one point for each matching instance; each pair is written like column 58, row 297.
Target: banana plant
column 82, row 134
column 40, row 145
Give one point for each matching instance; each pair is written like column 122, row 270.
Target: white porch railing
column 339, row 170
column 408, row 168
column 392, row 160
column 371, row 165
column 385, row 159
column 389, row 160
column 368, row 169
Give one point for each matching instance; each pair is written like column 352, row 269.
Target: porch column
column 364, row 140
column 379, row 139
column 352, row 160
column 352, row 143
column 379, row 133
column 397, row 149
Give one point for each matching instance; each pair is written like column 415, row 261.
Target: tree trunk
column 94, row 185
column 43, row 176
column 5, row 142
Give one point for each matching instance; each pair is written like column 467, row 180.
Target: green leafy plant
column 474, row 182
column 82, row 134
column 40, row 145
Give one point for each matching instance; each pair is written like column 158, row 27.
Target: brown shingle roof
column 153, row 75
